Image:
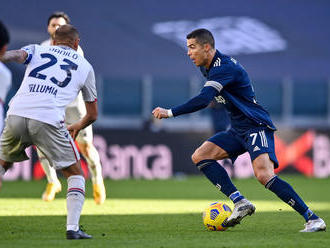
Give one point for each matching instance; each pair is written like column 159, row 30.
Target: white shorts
column 74, row 112
column 55, row 143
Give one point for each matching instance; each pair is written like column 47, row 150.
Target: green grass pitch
column 167, row 213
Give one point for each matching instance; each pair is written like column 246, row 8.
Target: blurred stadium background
column 137, row 50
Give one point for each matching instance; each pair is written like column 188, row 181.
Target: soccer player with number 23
column 53, row 78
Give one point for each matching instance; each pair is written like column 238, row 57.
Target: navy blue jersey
column 235, row 91
column 229, row 84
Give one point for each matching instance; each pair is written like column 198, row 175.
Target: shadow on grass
column 273, row 229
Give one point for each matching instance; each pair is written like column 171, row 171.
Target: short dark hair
column 4, row 35
column 203, row 36
column 67, row 33
column 59, row 14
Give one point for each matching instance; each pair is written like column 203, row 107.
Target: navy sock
column 309, row 215
column 287, row 194
column 219, row 177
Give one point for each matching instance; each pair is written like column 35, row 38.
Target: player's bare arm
column 89, row 118
column 18, row 56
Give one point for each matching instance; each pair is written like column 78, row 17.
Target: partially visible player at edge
column 73, row 112
column 5, row 74
column 252, row 130
column 53, row 78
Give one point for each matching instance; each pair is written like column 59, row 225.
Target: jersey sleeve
column 89, row 88
column 198, row 102
column 220, row 77
column 5, row 82
column 30, row 51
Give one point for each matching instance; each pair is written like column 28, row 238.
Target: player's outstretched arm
column 198, row 102
column 89, row 118
column 18, row 56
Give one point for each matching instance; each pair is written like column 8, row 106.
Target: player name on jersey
column 42, row 89
column 64, row 52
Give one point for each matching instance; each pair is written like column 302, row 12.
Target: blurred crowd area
column 138, row 51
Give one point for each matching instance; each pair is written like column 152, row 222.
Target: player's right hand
column 74, row 130
column 160, row 113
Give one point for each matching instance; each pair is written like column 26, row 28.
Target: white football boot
column 314, row 225
column 241, row 209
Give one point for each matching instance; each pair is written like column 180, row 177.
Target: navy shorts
column 256, row 141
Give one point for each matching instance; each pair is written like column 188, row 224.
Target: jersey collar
column 66, row 47
column 216, row 56
column 203, row 69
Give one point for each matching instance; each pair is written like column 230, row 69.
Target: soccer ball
column 215, row 215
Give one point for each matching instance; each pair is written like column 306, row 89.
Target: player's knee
column 73, row 170
column 262, row 178
column 263, row 174
column 197, row 156
column 263, row 168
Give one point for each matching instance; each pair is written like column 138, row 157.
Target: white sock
column 94, row 165
column 75, row 200
column 48, row 169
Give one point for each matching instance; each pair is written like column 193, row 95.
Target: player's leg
column 13, row 142
column 92, row 157
column 264, row 171
column 75, row 201
column 205, row 158
column 53, row 186
column 4, row 166
column 75, row 111
column 264, row 162
column 88, row 150
column 61, row 152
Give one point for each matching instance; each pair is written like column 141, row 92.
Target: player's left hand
column 73, row 130
column 160, row 113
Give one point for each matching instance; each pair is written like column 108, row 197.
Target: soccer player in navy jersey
column 251, row 130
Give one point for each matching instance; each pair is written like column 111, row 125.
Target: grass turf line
column 141, row 213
